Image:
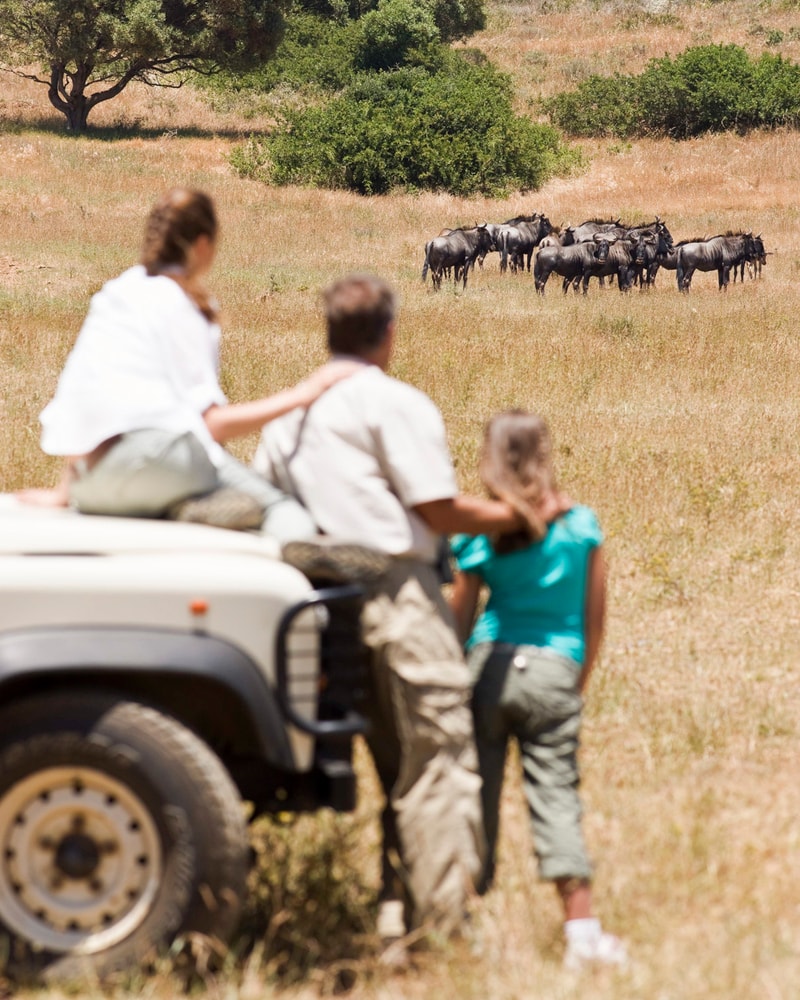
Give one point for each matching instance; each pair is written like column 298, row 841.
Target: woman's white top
column 146, row 357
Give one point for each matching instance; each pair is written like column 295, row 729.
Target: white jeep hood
column 29, row 530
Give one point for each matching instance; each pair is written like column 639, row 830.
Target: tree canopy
column 90, row 50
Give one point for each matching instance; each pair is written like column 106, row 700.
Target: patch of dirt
column 9, row 268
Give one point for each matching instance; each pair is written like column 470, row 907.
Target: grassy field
column 674, row 416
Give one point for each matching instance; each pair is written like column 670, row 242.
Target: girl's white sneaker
column 604, row 949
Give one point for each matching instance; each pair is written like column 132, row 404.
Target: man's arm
column 476, row 516
column 468, row 515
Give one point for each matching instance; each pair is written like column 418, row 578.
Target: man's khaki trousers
column 422, row 742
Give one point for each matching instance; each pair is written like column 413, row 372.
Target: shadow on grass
column 53, row 125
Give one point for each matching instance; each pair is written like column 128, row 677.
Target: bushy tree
column 409, row 129
column 392, row 33
column 707, row 88
column 455, row 19
column 90, row 50
column 317, row 54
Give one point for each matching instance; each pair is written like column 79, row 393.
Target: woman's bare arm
column 238, row 419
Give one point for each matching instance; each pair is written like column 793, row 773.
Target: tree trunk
column 77, row 113
column 67, row 95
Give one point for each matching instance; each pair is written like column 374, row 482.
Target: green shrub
column 711, row 88
column 453, row 131
column 317, row 53
column 328, row 42
column 776, row 83
column 715, row 85
column 394, row 33
column 457, row 19
column 600, row 106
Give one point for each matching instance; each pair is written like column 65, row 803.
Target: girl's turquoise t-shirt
column 537, row 594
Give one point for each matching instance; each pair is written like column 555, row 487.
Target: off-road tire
column 120, row 832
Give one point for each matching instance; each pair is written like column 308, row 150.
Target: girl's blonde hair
column 173, row 225
column 516, row 466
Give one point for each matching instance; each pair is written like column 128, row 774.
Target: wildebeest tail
column 426, row 265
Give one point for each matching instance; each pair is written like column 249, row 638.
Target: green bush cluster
column 709, row 88
column 455, row 19
column 321, row 52
column 317, row 54
column 396, row 33
column 386, row 104
column 453, row 130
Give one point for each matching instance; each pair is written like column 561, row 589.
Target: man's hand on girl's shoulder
column 554, row 505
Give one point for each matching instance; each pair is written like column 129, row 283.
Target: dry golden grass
column 675, row 416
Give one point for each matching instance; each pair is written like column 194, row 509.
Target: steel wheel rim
column 80, row 860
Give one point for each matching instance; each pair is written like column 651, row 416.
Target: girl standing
column 531, row 652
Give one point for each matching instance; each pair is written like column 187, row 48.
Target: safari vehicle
column 153, row 676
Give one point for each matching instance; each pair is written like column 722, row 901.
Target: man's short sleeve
column 413, row 447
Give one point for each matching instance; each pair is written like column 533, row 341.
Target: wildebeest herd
column 596, row 248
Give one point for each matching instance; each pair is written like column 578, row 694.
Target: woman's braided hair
column 173, row 225
column 516, row 466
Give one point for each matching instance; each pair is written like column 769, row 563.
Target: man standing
column 370, row 462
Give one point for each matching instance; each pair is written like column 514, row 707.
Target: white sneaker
column 391, row 923
column 391, row 928
column 604, row 949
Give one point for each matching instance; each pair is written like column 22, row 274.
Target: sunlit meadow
column 675, row 416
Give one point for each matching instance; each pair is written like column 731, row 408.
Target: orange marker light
column 199, row 606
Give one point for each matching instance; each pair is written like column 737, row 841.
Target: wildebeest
column 457, row 250
column 669, row 260
column 518, row 237
column 658, row 243
column 553, row 239
column 568, row 262
column 720, row 254
column 616, row 256
column 586, row 231
column 756, row 263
